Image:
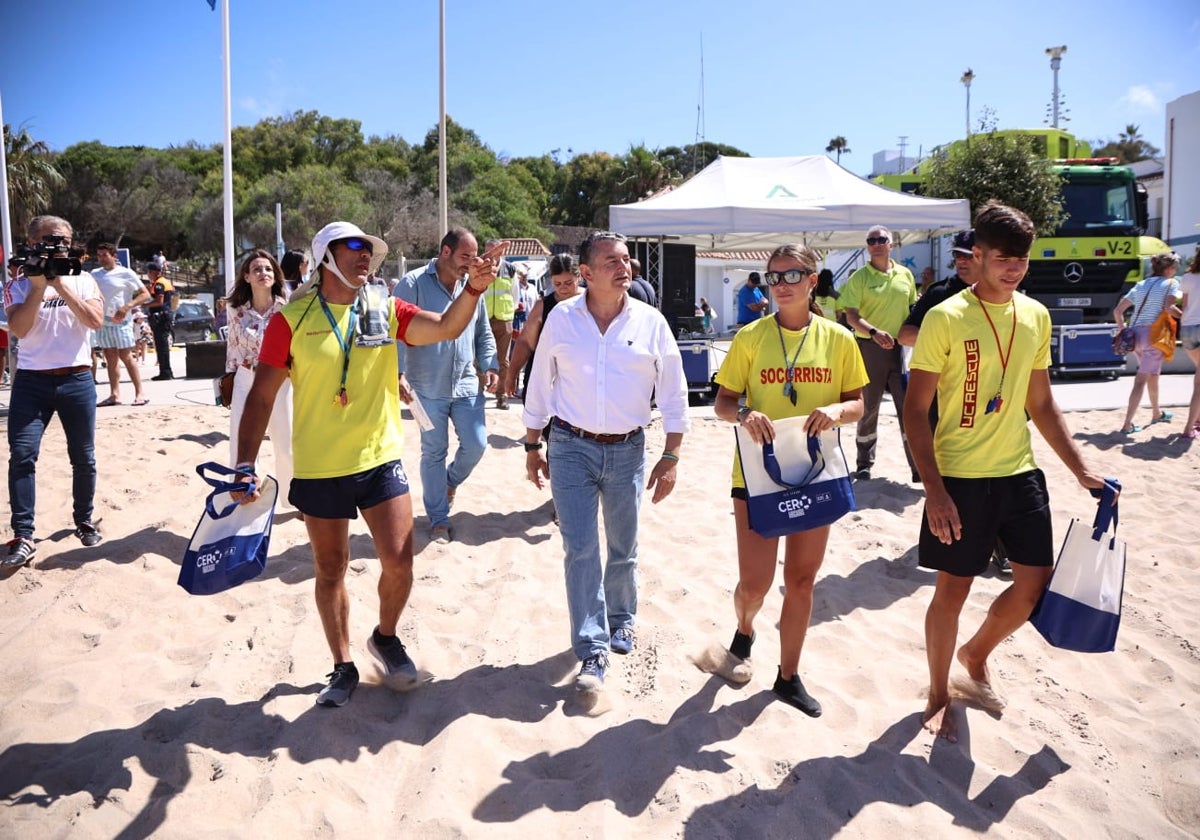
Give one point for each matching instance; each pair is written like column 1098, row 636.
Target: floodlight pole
column 1056, row 54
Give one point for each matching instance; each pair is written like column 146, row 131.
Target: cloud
column 1142, row 98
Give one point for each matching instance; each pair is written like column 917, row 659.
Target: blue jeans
column 467, row 415
column 35, row 398
column 588, row 478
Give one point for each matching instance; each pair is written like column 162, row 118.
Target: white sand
column 130, row 709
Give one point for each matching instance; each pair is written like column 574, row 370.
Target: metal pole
column 1056, row 54
column 228, row 168
column 278, row 231
column 4, row 209
column 443, row 204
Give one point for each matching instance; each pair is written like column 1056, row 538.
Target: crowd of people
column 323, row 358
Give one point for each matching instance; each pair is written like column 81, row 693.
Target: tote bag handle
column 817, row 456
column 1106, row 513
column 223, row 487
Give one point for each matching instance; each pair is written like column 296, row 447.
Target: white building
column 1181, row 192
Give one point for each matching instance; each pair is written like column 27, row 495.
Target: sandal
column 1131, row 430
column 1191, row 434
column 141, row 401
column 1165, row 417
column 107, row 402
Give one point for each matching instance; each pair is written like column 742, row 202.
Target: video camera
column 52, row 258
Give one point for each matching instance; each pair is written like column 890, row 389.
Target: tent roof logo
column 780, row 191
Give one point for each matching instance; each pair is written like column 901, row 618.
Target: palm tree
column 32, row 177
column 838, row 146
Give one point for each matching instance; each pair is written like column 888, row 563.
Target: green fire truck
column 1101, row 249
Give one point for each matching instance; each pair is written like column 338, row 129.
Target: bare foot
column 977, row 687
column 938, row 718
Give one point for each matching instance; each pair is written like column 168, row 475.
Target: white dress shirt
column 604, row 383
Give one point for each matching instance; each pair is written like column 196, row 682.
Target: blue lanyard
column 345, row 343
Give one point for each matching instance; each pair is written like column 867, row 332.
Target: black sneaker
column 20, row 553
column 162, row 377
column 792, row 692
column 88, row 533
column 863, row 474
column 342, row 682
column 740, row 646
column 399, row 671
column 591, row 672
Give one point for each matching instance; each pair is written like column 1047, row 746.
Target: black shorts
column 1015, row 508
column 344, row 496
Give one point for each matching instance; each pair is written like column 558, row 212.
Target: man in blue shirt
column 445, row 377
column 751, row 302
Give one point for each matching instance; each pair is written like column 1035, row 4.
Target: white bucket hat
column 333, row 232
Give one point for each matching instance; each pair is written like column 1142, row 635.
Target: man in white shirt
column 53, row 315
column 122, row 291
column 601, row 357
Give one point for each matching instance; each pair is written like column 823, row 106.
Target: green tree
column 838, row 146
column 1129, row 147
column 683, row 163
column 311, row 196
column 32, row 177
column 585, row 190
column 1006, row 168
column 279, row 144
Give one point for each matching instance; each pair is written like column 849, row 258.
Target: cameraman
column 53, row 315
column 161, row 309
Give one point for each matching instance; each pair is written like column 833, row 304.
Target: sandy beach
column 131, row 709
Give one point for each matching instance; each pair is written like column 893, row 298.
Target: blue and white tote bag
column 229, row 546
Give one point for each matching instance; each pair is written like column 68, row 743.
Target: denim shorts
column 1189, row 336
column 1015, row 508
column 344, row 496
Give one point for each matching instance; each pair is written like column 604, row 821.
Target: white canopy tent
column 739, row 204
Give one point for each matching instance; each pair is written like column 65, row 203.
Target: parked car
column 193, row 322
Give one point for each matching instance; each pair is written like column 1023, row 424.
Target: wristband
column 742, row 412
column 532, row 447
column 871, row 332
column 246, row 466
column 471, row 290
column 670, row 456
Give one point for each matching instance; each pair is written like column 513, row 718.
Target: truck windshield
column 1098, row 208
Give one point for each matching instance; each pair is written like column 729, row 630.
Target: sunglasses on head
column 356, row 244
column 877, row 240
column 792, row 276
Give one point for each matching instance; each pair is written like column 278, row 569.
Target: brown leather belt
column 599, row 438
column 62, row 371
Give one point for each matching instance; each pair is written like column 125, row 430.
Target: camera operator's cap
column 963, row 242
column 334, row 231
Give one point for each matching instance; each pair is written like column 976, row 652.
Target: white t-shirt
column 119, row 287
column 1189, row 284
column 58, row 338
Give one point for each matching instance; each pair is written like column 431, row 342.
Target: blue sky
column 780, row 78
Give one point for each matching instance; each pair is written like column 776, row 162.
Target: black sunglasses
column 356, row 244
column 877, row 240
column 792, row 276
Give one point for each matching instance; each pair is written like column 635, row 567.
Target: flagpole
column 4, row 210
column 443, row 204
column 228, row 169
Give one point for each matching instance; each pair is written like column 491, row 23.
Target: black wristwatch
column 871, row 332
column 532, row 447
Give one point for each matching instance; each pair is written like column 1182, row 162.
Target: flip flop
column 1130, row 430
column 977, row 692
column 142, row 401
column 107, row 402
column 1165, row 417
